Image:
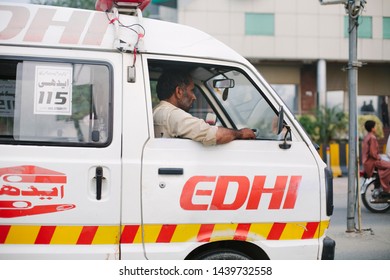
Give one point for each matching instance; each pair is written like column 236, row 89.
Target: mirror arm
column 285, row 145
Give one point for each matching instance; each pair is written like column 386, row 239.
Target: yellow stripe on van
column 186, row 233
column 66, row 235
column 157, row 233
column 223, row 231
column 22, row 234
column 293, row 231
column 107, row 235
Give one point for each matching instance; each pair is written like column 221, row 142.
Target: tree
column 82, row 4
column 325, row 124
column 378, row 125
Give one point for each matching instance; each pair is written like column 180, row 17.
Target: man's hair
column 169, row 80
column 369, row 125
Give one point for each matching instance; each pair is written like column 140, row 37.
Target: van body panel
column 52, row 189
column 71, row 28
column 82, row 175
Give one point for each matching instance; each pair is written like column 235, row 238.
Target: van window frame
column 230, row 123
column 11, row 141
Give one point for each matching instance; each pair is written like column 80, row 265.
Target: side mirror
column 281, row 125
column 285, row 145
column 280, row 120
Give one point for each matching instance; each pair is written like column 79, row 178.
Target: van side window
column 225, row 96
column 54, row 103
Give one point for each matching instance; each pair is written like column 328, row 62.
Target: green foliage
column 328, row 124
column 309, row 124
column 378, row 125
column 325, row 124
column 82, row 4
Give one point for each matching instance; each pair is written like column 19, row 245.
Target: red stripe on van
column 45, row 234
column 4, row 233
column 310, row 231
column 166, row 233
column 276, row 231
column 129, row 232
column 86, row 235
column 242, row 232
column 205, row 232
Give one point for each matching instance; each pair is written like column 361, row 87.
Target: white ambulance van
column 82, row 175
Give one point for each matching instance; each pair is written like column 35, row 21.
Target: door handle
column 99, row 179
column 170, row 171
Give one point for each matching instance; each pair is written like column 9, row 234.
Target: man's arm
column 226, row 135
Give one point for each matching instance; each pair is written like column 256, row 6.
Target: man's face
column 187, row 97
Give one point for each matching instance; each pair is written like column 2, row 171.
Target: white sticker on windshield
column 53, row 90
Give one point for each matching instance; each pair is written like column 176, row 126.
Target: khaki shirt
column 170, row 121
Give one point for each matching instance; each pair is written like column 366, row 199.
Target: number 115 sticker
column 53, row 90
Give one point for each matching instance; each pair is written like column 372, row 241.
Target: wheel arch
column 250, row 249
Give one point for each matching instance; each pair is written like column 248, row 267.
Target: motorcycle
column 372, row 194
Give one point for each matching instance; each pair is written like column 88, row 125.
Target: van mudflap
column 328, row 249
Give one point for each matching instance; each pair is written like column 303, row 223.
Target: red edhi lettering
column 78, row 28
column 217, row 188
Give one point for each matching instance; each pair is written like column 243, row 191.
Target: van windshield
column 244, row 104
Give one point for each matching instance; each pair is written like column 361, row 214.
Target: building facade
column 300, row 46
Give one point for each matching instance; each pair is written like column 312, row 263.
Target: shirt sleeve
column 183, row 124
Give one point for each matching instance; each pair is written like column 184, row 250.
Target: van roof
column 60, row 27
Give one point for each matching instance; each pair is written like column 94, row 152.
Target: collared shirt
column 170, row 121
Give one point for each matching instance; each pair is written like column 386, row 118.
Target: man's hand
column 226, row 135
column 247, row 133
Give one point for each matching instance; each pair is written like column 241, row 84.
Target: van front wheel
column 222, row 254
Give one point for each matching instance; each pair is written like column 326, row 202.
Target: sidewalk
column 371, row 242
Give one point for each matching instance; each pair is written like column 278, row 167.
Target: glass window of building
column 386, row 28
column 365, row 27
column 259, row 24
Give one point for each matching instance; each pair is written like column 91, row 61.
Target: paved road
column 371, row 243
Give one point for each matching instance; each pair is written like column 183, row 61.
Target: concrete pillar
column 321, row 82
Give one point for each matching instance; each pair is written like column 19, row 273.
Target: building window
column 335, row 99
column 259, row 24
column 364, row 29
column 386, row 28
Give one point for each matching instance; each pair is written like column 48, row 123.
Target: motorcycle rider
column 371, row 158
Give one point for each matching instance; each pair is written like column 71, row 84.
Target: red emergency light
column 106, row 5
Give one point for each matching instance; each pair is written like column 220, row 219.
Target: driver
column 175, row 89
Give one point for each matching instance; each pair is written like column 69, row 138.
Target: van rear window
column 55, row 103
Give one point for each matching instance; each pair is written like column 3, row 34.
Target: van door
column 60, row 169
column 246, row 190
